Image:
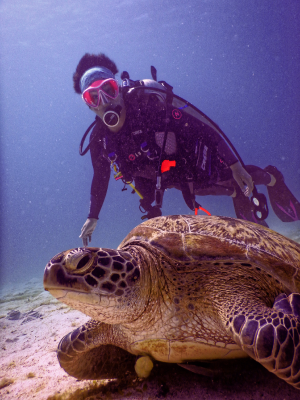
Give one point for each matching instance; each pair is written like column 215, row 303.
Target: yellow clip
column 119, row 173
column 137, row 192
column 115, row 167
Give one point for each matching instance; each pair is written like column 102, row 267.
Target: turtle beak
column 50, row 273
column 56, row 278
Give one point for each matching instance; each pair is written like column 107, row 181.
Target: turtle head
column 102, row 283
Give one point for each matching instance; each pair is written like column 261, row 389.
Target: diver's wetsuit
column 201, row 155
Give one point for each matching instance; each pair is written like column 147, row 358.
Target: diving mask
column 100, row 92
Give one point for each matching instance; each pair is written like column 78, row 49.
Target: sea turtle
column 180, row 289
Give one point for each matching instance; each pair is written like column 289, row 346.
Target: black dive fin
column 154, row 73
column 244, row 208
column 284, row 203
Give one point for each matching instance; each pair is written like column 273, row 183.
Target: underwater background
column 236, row 60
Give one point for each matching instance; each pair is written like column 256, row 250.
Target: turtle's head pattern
column 92, row 277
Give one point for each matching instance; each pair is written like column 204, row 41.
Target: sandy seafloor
column 29, row 368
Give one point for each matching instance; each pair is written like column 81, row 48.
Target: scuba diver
column 154, row 140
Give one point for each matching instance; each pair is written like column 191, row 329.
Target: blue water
column 237, row 60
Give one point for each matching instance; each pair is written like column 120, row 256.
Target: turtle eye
column 79, row 261
column 83, row 262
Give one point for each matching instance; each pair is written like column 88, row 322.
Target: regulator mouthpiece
column 112, row 117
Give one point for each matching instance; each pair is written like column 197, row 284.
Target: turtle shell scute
column 212, row 238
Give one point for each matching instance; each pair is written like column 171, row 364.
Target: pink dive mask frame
column 100, row 92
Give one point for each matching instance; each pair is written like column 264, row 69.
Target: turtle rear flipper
column 270, row 335
column 87, row 353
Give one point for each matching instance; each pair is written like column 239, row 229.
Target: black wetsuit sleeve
column 101, row 175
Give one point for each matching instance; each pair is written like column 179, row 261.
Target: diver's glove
column 87, row 230
column 242, row 178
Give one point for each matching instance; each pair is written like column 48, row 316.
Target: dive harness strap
column 159, row 192
column 187, row 189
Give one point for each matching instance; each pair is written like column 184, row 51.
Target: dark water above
column 238, row 61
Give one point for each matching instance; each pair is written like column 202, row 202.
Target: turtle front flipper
column 269, row 335
column 91, row 352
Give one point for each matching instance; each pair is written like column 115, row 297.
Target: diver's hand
column 242, row 178
column 87, row 230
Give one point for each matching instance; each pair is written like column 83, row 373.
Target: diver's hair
column 90, row 61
